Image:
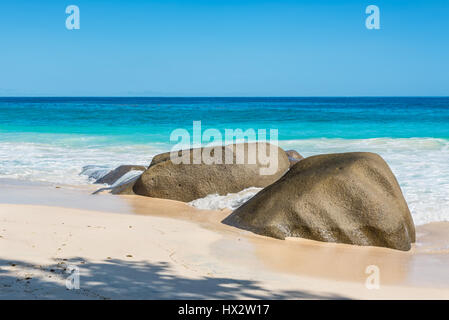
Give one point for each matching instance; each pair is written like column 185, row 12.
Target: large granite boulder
column 114, row 175
column 351, row 198
column 294, row 157
column 242, row 166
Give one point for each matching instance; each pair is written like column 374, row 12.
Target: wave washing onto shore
column 420, row 164
column 68, row 164
column 230, row 201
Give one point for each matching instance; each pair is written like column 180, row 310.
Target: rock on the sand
column 351, row 198
column 187, row 182
column 294, row 157
column 125, row 188
column 114, row 175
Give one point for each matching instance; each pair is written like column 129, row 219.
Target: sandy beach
column 132, row 247
column 224, row 150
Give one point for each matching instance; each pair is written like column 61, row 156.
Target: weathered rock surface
column 187, row 182
column 294, row 157
column 351, row 198
column 114, row 175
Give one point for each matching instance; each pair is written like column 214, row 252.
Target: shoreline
column 194, row 243
column 312, row 258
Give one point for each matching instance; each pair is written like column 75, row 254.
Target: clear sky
column 224, row 48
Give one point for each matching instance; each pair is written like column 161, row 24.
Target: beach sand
column 131, row 247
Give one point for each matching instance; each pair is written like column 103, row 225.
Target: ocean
column 73, row 141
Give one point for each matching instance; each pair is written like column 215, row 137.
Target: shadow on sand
column 121, row 279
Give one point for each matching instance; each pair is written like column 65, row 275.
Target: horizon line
column 222, row 97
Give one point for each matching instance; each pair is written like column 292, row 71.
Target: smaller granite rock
column 125, row 188
column 294, row 157
column 114, row 175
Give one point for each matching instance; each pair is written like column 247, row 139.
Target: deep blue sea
column 64, row 140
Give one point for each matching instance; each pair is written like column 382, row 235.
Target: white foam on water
column 230, row 201
column 68, row 164
column 95, row 172
column 127, row 177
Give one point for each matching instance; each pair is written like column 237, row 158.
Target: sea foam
column 71, row 165
column 230, row 201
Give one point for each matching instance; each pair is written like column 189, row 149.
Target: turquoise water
column 145, row 120
column 58, row 139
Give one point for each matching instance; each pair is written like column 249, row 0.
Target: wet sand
column 137, row 247
column 425, row 265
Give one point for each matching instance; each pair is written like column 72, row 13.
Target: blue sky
column 224, row 48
